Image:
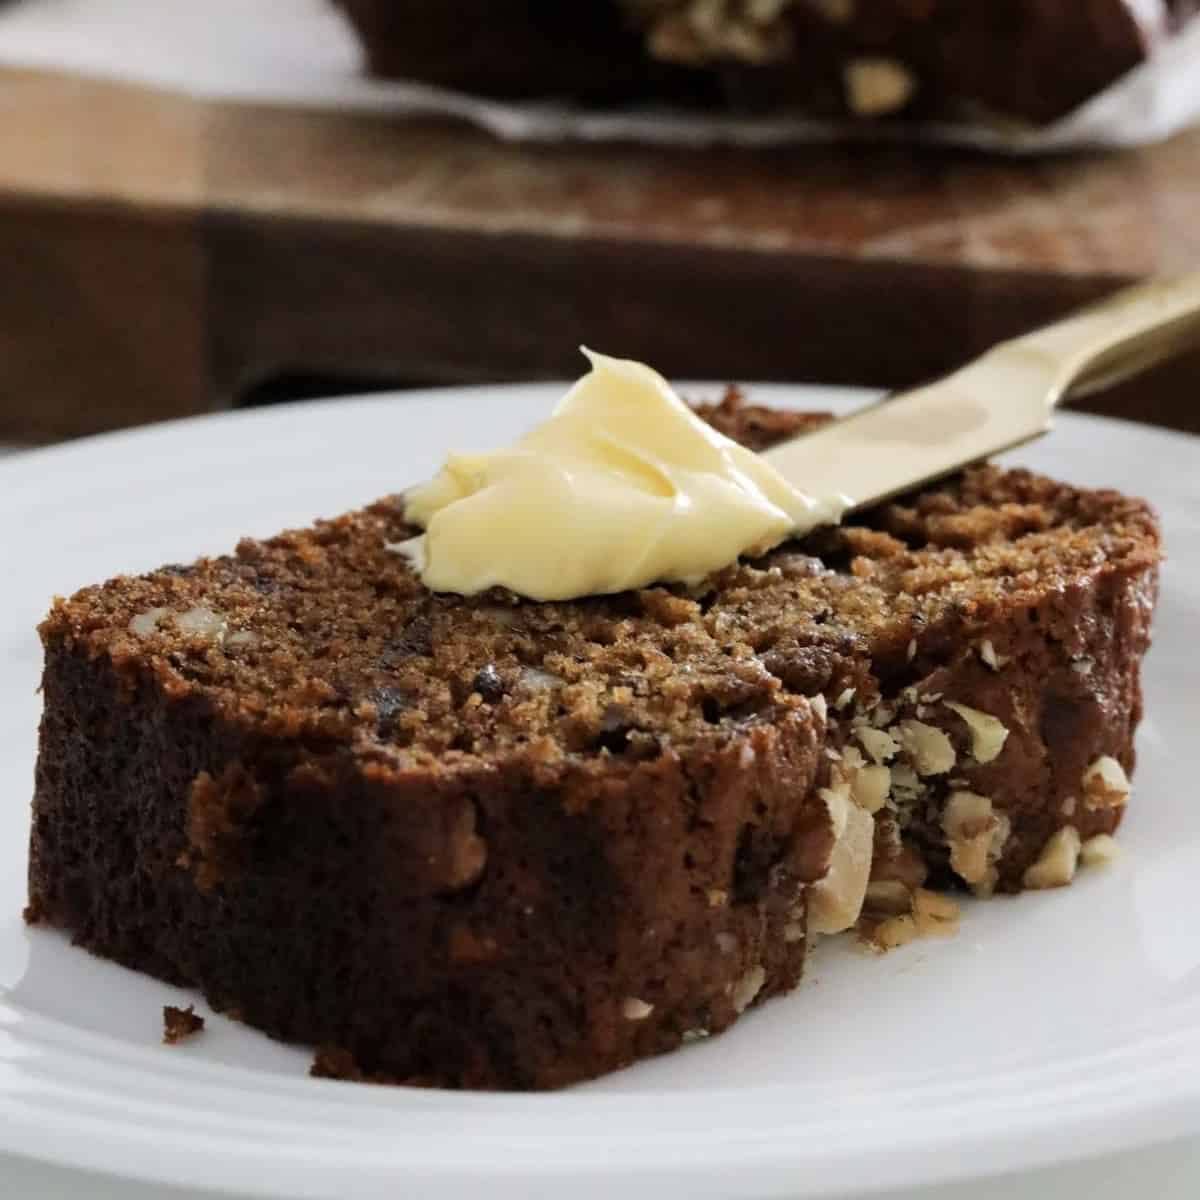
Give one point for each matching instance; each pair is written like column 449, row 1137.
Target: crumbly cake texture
column 496, row 844
column 836, row 58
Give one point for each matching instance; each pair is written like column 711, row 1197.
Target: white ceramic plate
column 1056, row 1026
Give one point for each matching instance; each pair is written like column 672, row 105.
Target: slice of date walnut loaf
column 491, row 843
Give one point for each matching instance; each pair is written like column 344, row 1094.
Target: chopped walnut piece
column 834, row 903
column 927, row 746
column 837, row 803
column 633, row 1009
column 747, row 988
column 1105, row 784
column 975, row 834
column 146, row 623
column 878, row 743
column 935, row 915
column 988, row 735
column 1056, row 864
column 202, row 623
column 877, row 86
column 892, row 933
column 870, row 787
column 1100, row 851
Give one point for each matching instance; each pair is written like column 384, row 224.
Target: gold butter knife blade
column 1001, row 400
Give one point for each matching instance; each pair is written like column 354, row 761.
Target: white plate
column 1054, row 1027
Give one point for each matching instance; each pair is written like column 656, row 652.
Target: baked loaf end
column 489, row 843
column 1029, row 60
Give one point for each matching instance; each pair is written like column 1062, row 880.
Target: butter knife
column 1000, row 401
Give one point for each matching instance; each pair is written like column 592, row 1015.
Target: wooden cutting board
column 161, row 256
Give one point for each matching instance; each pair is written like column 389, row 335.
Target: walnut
column 878, row 743
column 869, row 785
column 834, row 903
column 927, row 746
column 892, row 933
column 837, row 804
column 1100, row 851
column 747, row 988
column 468, row 852
column 988, row 735
column 935, row 915
column 706, row 30
column 976, row 835
column 537, row 680
column 1056, row 864
column 633, row 1009
column 146, row 623
column 877, row 86
column 202, row 623
column 1105, row 784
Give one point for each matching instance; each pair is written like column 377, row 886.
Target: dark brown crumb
column 180, row 1023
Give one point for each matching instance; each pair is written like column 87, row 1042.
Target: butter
column 621, row 487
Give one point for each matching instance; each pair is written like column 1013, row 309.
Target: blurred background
column 210, row 206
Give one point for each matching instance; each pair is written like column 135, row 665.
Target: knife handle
column 1117, row 338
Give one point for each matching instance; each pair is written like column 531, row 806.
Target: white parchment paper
column 302, row 53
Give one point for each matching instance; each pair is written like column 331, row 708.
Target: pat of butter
column 623, row 486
